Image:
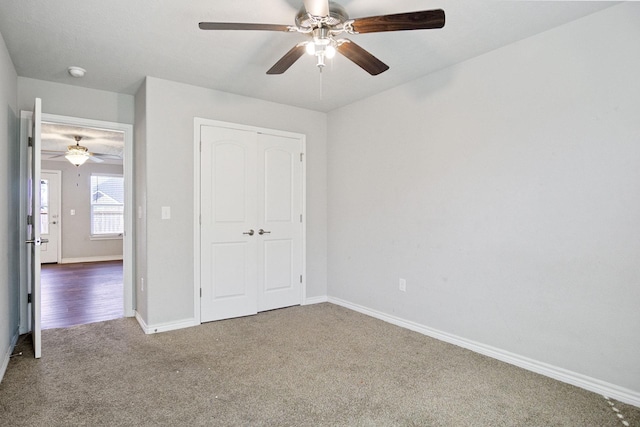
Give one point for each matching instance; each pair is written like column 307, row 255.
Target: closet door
column 279, row 222
column 251, row 222
column 228, row 247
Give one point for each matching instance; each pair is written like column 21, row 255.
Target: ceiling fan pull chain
column 320, row 83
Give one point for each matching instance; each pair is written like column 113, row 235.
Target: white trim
column 93, row 259
column 7, row 355
column 579, row 380
column 165, row 327
column 315, row 300
column 197, row 124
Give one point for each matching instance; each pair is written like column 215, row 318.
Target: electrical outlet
column 402, row 285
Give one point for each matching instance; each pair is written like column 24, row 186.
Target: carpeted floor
column 319, row 365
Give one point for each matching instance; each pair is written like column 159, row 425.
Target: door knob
column 261, row 232
column 250, row 232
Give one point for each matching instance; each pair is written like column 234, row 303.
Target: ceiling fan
column 324, row 21
column 78, row 154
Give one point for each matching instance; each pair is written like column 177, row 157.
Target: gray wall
column 9, row 198
column 505, row 191
column 75, row 101
column 75, row 194
column 170, row 110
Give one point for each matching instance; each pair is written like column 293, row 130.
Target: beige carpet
column 319, row 365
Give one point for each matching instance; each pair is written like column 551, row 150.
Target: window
column 107, row 205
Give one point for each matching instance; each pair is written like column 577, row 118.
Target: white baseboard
column 315, row 300
column 91, row 259
column 588, row 383
column 7, row 355
column 164, row 327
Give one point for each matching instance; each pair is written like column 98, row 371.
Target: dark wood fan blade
column 362, row 58
column 241, row 26
column 287, row 60
column 423, row 20
column 317, row 7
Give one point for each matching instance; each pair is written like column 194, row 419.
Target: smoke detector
column 77, row 71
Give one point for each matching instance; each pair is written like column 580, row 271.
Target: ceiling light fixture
column 77, row 154
column 76, row 72
column 322, row 46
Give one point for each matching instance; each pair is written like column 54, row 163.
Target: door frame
column 128, row 237
column 58, row 173
column 197, row 124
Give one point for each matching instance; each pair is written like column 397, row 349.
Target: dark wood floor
column 75, row 294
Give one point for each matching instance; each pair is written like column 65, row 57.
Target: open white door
column 33, row 225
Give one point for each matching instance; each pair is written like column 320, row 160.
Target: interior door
column 50, row 216
column 228, row 247
column 279, row 222
column 33, row 227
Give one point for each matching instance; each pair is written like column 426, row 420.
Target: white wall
column 9, row 185
column 75, row 194
column 505, row 190
column 170, row 112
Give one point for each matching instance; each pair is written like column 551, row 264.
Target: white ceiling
column 120, row 42
column 107, row 145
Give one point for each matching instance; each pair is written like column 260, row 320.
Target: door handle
column 261, row 232
column 37, row 242
column 250, row 232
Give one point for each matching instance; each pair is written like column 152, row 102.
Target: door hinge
column 29, row 219
column 30, row 142
column 28, row 298
column 301, row 154
column 300, row 218
column 301, row 278
column 200, row 292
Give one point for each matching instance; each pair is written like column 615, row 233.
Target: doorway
column 84, row 282
column 69, row 217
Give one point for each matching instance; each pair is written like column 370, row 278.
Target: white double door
column 251, row 251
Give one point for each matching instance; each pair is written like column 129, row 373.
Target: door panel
column 278, row 177
column 279, row 215
column 228, row 205
column 278, row 265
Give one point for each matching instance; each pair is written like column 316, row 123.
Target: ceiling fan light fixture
column 310, row 48
column 77, row 154
column 76, row 158
column 330, row 51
